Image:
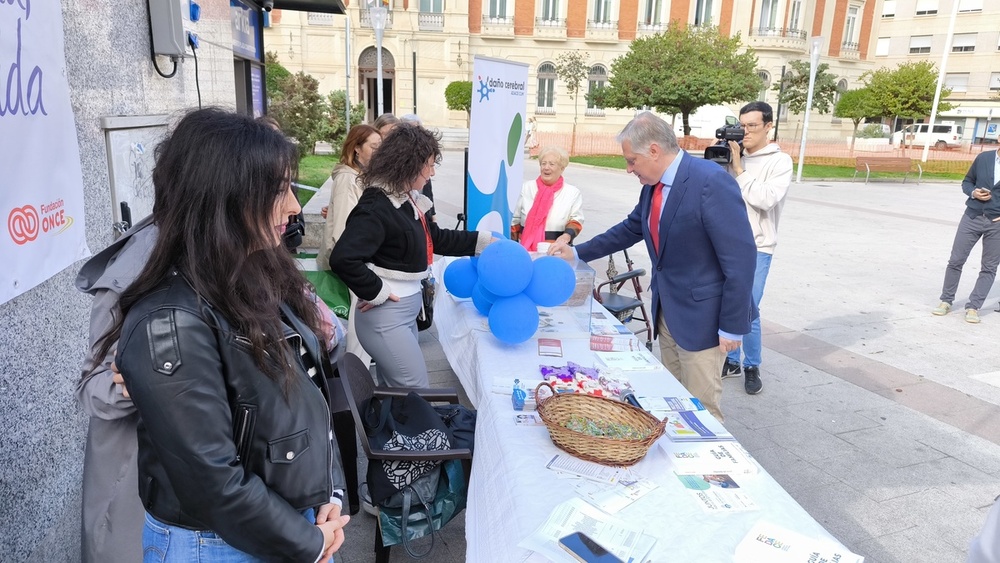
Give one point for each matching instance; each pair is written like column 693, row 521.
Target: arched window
column 766, row 80
column 546, row 88
column 782, row 108
column 841, row 88
column 597, row 78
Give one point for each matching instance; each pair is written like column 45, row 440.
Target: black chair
column 624, row 307
column 360, row 388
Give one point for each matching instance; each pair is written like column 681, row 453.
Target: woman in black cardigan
column 388, row 247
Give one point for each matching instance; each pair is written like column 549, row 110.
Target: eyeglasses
column 753, row 126
column 547, row 163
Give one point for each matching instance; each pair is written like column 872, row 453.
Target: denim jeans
column 751, row 342
column 165, row 543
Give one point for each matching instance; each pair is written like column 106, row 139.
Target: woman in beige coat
column 361, row 142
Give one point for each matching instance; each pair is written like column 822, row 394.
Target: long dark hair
column 400, row 159
column 216, row 180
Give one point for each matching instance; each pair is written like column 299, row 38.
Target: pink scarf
column 534, row 223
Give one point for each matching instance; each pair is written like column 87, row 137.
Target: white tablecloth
column 512, row 493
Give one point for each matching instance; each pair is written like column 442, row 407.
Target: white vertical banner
column 41, row 183
column 496, row 142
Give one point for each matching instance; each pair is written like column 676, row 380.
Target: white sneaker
column 942, row 309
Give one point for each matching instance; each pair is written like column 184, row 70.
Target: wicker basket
column 556, row 411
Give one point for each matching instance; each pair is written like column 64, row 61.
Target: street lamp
column 815, row 44
column 940, row 82
column 377, row 14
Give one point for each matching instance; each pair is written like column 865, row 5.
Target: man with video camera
column 763, row 173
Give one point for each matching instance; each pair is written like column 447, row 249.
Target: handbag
column 420, row 496
column 426, row 315
column 402, row 423
column 450, row 500
column 332, row 290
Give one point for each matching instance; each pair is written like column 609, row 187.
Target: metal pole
column 347, row 73
column 378, row 64
column 415, row 83
column 817, row 42
column 781, row 92
column 940, row 81
column 378, row 13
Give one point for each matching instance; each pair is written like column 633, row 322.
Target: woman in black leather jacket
column 221, row 348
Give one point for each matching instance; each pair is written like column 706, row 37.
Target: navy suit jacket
column 703, row 274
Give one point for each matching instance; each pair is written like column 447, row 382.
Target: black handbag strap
column 407, row 500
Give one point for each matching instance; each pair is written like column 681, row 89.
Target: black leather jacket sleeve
column 173, row 370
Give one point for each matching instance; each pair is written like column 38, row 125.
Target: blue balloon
column 482, row 299
column 504, row 268
column 475, row 264
column 514, row 319
column 552, row 282
column 459, row 278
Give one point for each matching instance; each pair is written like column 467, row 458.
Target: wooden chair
column 624, row 307
column 360, row 388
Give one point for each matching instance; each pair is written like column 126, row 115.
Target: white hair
column 411, row 118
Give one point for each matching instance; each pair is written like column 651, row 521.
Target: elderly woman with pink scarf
column 548, row 209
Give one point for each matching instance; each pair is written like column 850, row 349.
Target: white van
column 943, row 135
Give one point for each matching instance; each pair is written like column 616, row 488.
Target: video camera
column 719, row 152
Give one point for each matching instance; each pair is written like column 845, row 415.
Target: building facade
column 918, row 29
column 430, row 43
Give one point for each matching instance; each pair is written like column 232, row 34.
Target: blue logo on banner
column 484, row 89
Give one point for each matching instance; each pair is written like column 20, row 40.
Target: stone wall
column 44, row 333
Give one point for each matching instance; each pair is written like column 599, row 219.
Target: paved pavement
column 880, row 419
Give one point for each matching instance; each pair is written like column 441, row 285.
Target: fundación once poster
column 496, row 143
column 41, row 183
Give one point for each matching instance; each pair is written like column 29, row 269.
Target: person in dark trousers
column 981, row 220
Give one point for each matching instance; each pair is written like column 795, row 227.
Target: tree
column 336, row 127
column 458, row 96
column 856, row 105
column 796, row 91
column 274, row 74
column 680, row 70
column 906, row 91
column 300, row 110
column 571, row 68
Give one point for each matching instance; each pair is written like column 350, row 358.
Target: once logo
column 22, row 224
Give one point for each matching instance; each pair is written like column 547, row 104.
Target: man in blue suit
column 694, row 222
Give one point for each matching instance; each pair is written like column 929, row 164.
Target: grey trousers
column 970, row 229
column 389, row 333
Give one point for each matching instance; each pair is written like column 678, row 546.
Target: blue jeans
column 751, row 342
column 165, row 543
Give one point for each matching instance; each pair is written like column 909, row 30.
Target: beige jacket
column 344, row 194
